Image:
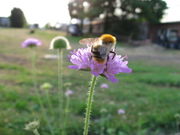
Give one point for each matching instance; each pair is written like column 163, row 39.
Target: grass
column 150, row 95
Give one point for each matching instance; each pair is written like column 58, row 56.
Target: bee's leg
column 107, row 57
column 114, row 54
column 107, row 60
column 92, row 52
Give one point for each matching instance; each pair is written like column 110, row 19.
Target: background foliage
column 17, row 18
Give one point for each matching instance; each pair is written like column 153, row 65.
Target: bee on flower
column 101, row 47
column 99, row 57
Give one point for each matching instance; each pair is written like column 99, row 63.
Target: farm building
column 4, row 22
column 166, row 34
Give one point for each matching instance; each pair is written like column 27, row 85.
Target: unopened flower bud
column 32, row 126
column 60, row 42
column 46, row 86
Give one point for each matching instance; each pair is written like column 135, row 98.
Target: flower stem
column 49, row 101
column 60, row 82
column 37, row 92
column 36, row 132
column 89, row 105
column 66, row 111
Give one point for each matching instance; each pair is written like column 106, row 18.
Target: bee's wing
column 88, row 41
column 113, row 48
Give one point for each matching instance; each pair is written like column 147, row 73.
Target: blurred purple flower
column 104, row 86
column 31, row 42
column 69, row 92
column 121, row 111
column 82, row 60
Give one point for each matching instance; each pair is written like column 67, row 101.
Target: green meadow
column 150, row 95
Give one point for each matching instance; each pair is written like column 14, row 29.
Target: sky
column 173, row 11
column 38, row 11
column 53, row 11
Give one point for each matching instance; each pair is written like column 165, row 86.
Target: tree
column 150, row 11
column 131, row 13
column 104, row 7
column 17, row 18
column 77, row 9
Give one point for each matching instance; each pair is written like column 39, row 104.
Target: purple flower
column 69, row 92
column 31, row 42
column 104, row 86
column 121, row 111
column 82, row 60
column 114, row 66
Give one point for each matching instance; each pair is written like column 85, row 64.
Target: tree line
column 119, row 16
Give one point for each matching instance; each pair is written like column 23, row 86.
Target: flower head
column 82, row 60
column 67, row 84
column 32, row 126
column 60, row 42
column 46, row 86
column 177, row 116
column 31, row 42
column 69, row 92
column 103, row 110
column 121, row 111
column 104, row 86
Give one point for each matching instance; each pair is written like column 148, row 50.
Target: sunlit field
column 149, row 95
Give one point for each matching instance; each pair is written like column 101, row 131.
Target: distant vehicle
column 168, row 38
column 74, row 30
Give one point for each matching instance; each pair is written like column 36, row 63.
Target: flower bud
column 32, row 126
column 60, row 42
column 46, row 86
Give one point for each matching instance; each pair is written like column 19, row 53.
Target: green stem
column 102, row 130
column 66, row 111
column 177, row 125
column 49, row 102
column 37, row 92
column 36, row 132
column 102, row 126
column 89, row 105
column 60, row 82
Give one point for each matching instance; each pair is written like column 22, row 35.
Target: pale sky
column 173, row 13
column 38, row 11
column 44, row 11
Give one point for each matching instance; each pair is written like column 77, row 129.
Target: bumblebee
column 101, row 47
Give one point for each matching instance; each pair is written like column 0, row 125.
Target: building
column 166, row 34
column 97, row 26
column 157, row 29
column 4, row 22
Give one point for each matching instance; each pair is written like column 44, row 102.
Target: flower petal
column 96, row 68
column 73, row 67
column 111, row 77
